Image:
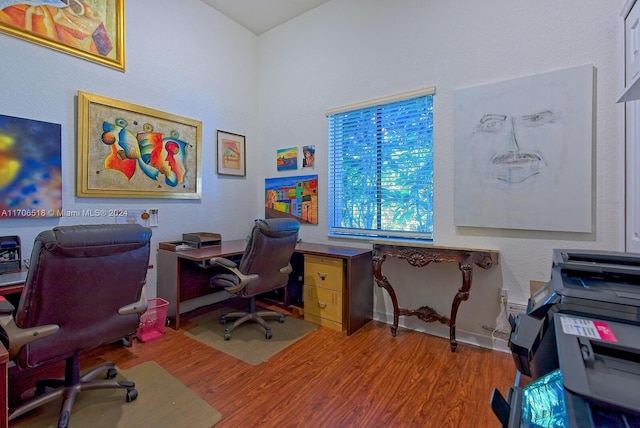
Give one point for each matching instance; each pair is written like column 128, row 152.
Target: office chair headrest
column 92, row 240
column 100, row 234
column 276, row 227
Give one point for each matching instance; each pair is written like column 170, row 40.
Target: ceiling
column 262, row 15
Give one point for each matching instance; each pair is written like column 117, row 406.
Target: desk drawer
column 323, row 304
column 325, row 272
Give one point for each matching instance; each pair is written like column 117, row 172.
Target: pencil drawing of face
column 512, row 144
column 517, row 141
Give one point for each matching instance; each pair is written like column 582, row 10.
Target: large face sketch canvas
column 523, row 153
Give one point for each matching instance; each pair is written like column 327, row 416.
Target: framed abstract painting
column 129, row 151
column 89, row 29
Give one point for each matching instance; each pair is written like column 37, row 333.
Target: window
column 381, row 168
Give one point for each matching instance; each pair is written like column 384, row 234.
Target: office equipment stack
column 579, row 342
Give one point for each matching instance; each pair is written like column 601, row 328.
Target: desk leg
column 382, row 282
column 466, row 268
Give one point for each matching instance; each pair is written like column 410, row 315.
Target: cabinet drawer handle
column 322, row 305
column 322, row 275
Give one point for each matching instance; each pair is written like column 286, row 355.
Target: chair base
column 250, row 315
column 69, row 388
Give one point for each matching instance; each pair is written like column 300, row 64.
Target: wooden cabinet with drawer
column 324, row 287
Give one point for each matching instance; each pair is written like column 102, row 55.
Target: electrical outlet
column 515, row 309
column 504, row 295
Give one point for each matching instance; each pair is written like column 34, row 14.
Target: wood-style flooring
column 326, row 379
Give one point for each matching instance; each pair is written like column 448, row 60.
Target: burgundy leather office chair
column 264, row 266
column 83, row 289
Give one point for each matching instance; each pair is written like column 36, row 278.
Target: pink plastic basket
column 153, row 321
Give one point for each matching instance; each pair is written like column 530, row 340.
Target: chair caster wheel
column 281, row 319
column 111, row 373
column 268, row 334
column 223, row 321
column 227, row 336
column 132, row 394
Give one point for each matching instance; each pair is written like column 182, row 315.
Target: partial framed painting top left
column 30, row 168
column 89, row 29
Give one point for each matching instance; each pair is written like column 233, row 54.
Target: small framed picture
column 308, row 156
column 232, row 158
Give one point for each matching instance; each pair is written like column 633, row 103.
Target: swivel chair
column 264, row 266
column 83, row 289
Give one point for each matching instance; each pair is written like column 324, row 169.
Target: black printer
column 596, row 383
column 605, row 285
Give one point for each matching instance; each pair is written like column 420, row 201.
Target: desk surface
column 233, row 248
column 13, row 278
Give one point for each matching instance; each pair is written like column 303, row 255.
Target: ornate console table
column 420, row 256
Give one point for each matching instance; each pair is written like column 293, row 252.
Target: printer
column 595, row 384
column 601, row 284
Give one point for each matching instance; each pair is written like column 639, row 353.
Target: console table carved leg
column 463, row 294
column 382, row 282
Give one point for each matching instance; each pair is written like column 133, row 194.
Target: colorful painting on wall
column 30, row 168
column 288, row 159
column 131, row 151
column 90, row 29
column 295, row 197
column 308, row 156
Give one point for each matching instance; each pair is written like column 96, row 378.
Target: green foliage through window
column 381, row 170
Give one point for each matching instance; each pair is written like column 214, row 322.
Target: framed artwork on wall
column 90, row 29
column 308, row 156
column 129, row 151
column 30, row 168
column 295, row 197
column 523, row 149
column 287, row 159
column 232, row 159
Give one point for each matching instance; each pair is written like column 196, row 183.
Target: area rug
column 248, row 342
column 163, row 401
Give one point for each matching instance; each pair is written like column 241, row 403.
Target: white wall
column 353, row 50
column 187, row 59
column 183, row 58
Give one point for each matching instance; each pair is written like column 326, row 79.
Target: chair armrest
column 221, row 261
column 233, row 267
column 18, row 337
column 287, row 269
column 133, row 308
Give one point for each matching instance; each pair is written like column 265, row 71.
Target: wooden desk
column 420, row 256
column 13, row 282
column 182, row 276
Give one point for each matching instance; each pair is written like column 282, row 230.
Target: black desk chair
column 264, row 266
column 83, row 289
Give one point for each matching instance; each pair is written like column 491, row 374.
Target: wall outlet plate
column 515, row 308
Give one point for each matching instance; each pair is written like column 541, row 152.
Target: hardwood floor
column 328, row 379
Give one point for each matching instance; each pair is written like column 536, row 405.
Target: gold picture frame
column 232, row 158
column 129, row 151
column 89, row 29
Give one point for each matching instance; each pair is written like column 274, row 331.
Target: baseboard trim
column 441, row 330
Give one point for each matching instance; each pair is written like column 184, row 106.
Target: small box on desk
column 202, row 239
column 176, row 245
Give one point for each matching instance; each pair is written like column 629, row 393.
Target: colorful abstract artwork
column 133, row 151
column 295, row 197
column 287, row 159
column 30, row 168
column 90, row 29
